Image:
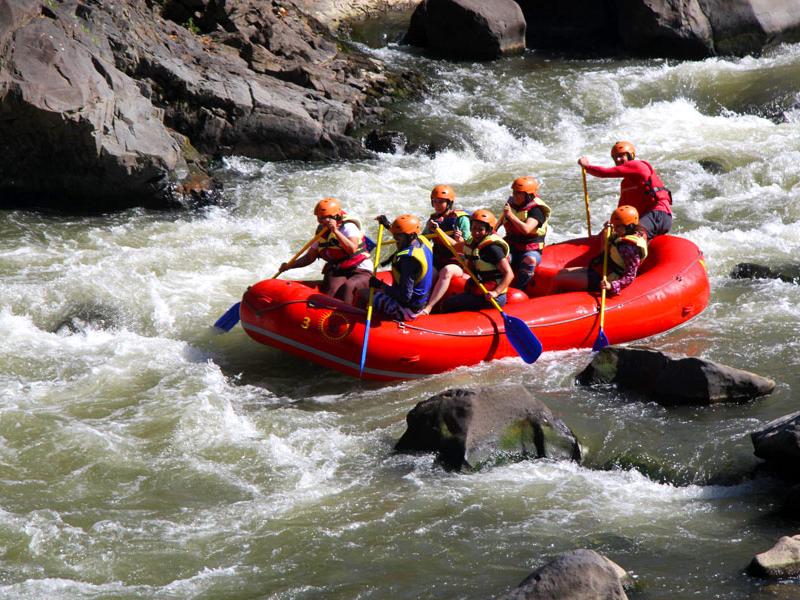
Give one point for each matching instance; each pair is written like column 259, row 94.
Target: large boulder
column 469, row 428
column 780, row 561
column 779, row 441
column 575, row 575
column 746, row 26
column 671, row 380
column 105, row 103
column 657, row 27
column 69, row 119
column 468, row 29
column 674, row 28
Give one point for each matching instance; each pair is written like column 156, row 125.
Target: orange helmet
column 623, row 148
column 443, row 192
column 328, row 207
column 484, row 216
column 529, row 185
column 625, row 215
column 407, row 224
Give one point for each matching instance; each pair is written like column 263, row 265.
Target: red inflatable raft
column 671, row 288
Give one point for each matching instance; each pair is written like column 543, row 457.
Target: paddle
column 518, row 333
column 602, row 341
column 586, row 201
column 369, row 304
column 231, row 317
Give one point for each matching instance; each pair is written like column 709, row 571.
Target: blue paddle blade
column 364, row 349
column 369, row 244
column 522, row 338
column 231, row 317
column 601, row 342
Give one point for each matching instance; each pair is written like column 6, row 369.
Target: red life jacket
column 645, row 195
column 331, row 251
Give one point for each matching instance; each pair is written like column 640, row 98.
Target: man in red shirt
column 641, row 187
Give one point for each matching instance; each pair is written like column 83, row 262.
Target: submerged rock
column 779, row 441
column 575, row 575
column 468, row 29
column 780, row 561
column 387, row 142
column 670, row 380
column 469, row 428
column 790, row 273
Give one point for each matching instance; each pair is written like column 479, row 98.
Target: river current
column 144, row 456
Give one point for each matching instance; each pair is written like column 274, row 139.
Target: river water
column 143, row 456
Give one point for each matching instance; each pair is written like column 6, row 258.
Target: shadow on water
column 300, row 381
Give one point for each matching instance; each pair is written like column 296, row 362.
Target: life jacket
column 645, row 195
column 448, row 223
column 331, row 251
column 487, row 273
column 421, row 250
column 616, row 264
column 525, row 242
column 653, row 185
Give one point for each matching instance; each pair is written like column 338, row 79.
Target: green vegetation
column 191, row 26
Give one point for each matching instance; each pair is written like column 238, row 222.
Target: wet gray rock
column 780, row 561
column 790, row 273
column 662, row 28
column 680, row 29
column 69, row 119
column 387, row 142
column 468, row 29
column 779, row 441
column 713, row 166
column 575, row 575
column 671, row 380
column 105, row 103
column 470, row 428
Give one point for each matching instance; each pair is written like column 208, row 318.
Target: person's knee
column 529, row 263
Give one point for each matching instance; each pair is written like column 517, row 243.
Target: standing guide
column 641, row 188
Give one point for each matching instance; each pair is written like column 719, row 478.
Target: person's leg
column 388, row 306
column 656, row 222
column 460, row 302
column 442, row 284
column 524, row 265
column 359, row 279
column 572, row 279
column 331, row 283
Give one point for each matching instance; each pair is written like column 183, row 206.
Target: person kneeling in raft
column 486, row 255
column 627, row 248
column 343, row 248
column 412, row 271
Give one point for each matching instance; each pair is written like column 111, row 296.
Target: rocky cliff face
column 104, row 103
